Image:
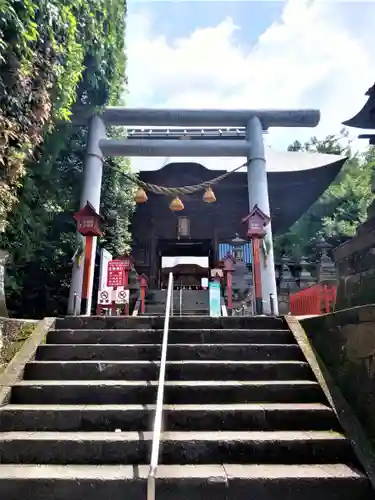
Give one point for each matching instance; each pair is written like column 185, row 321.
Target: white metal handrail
column 160, row 397
column 136, row 307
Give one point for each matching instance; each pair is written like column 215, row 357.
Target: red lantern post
column 257, row 222
column 128, row 262
column 88, row 224
column 228, row 268
column 143, row 283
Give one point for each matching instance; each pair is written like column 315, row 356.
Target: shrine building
column 206, row 230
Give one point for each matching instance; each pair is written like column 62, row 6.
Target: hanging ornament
column 209, row 196
column 140, row 196
column 176, row 205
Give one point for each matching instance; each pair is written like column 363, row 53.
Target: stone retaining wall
column 345, row 340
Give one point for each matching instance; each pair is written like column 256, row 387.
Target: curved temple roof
column 296, row 180
column 284, row 161
column 365, row 118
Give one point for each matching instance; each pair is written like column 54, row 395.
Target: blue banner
column 214, row 294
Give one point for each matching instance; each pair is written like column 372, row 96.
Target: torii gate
column 255, row 122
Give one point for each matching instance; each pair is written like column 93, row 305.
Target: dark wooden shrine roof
column 291, row 194
column 365, row 118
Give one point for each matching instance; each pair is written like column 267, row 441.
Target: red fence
column 318, row 299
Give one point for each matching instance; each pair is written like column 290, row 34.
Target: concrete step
column 231, row 336
column 155, row 307
column 244, row 447
column 176, row 352
column 182, row 392
column 176, row 370
column 265, row 416
column 194, row 312
column 123, row 323
column 185, row 482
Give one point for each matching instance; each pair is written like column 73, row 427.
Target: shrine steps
column 141, row 335
column 157, row 322
column 184, row 482
column 184, row 302
column 243, row 417
column 177, row 352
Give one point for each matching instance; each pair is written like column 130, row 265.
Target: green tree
column 342, row 207
column 83, row 71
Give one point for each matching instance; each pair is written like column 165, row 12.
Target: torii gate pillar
column 91, row 189
column 258, row 195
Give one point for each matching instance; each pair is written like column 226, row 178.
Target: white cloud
column 307, row 59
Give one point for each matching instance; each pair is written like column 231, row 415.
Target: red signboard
column 116, row 273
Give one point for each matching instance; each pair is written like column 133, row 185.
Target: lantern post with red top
column 256, row 231
column 128, row 263
column 143, row 283
column 88, row 225
column 229, row 262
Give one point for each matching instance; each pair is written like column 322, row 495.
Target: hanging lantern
column 209, row 196
column 176, row 205
column 140, row 196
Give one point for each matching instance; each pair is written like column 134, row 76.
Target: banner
column 215, row 299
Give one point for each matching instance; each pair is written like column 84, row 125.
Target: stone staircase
column 244, row 417
column 193, row 302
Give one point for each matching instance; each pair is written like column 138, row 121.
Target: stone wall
column 355, row 263
column 345, row 340
column 13, row 333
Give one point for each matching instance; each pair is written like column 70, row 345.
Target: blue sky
column 248, row 54
column 177, row 19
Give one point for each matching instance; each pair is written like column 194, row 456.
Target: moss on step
column 13, row 333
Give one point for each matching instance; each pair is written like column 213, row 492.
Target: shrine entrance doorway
column 190, row 261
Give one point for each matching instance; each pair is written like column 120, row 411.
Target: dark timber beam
column 209, row 117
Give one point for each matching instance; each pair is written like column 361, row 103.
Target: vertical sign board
column 104, row 293
column 105, row 257
column 116, row 273
column 214, row 294
column 204, row 283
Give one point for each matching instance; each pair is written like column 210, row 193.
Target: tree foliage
column 336, row 215
column 60, row 61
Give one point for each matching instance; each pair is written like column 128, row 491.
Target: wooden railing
column 318, row 299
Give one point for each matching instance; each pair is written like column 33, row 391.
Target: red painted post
column 128, row 264
column 229, row 288
column 143, row 283
column 88, row 225
column 257, row 275
column 87, row 267
column 228, row 268
column 257, row 222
